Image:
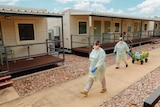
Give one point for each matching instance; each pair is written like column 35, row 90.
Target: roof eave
column 36, row 14
column 109, row 15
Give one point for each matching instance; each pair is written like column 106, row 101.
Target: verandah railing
column 111, row 37
column 29, row 53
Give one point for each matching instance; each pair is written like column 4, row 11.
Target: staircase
column 5, row 81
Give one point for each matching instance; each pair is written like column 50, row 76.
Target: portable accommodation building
column 25, row 32
column 81, row 28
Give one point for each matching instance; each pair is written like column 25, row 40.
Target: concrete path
column 68, row 94
column 8, row 94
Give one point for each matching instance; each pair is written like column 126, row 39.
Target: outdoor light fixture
column 7, row 17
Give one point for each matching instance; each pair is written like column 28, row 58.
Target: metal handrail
column 11, row 46
column 139, row 37
column 78, row 42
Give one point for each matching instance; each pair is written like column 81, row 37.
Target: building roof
column 22, row 11
column 109, row 15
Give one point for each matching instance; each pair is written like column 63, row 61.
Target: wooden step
column 6, row 83
column 5, row 77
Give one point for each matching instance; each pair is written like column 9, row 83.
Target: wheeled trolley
column 140, row 56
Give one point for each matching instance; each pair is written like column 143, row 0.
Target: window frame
column 145, row 27
column 79, row 27
column 156, row 26
column 17, row 32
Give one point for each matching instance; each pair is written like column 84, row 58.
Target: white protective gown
column 97, row 59
column 121, row 50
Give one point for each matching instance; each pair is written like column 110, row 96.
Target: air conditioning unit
column 51, row 34
column 56, row 30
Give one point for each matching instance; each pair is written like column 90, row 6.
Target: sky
column 140, row 8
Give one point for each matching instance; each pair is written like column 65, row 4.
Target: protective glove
column 93, row 69
column 129, row 53
column 114, row 53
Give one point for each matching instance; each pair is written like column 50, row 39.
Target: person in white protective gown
column 121, row 49
column 97, row 68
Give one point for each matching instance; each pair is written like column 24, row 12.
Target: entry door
column 106, row 36
column 107, row 26
column 136, row 27
column 97, row 30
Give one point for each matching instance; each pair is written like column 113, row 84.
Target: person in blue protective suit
column 97, row 68
column 121, row 49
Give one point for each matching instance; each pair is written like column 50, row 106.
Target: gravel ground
column 135, row 95
column 76, row 66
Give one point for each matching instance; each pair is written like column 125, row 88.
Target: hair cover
column 96, row 42
column 120, row 38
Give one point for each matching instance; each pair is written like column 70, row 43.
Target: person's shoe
column 84, row 92
column 103, row 90
column 126, row 65
column 117, row 67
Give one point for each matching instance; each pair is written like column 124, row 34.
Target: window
column 145, row 27
column 1, row 39
column 26, row 32
column 82, row 27
column 129, row 28
column 156, row 26
column 116, row 27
